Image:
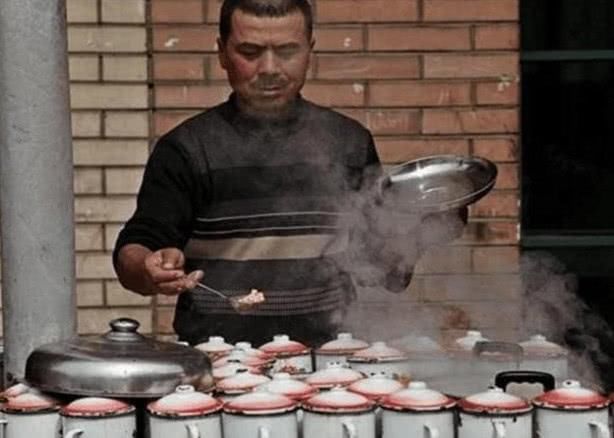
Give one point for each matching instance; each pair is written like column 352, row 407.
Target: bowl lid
column 376, row 386
column 185, row 402
column 215, row 344
column 417, row 397
column 335, row 374
column 15, row 390
column 378, row 351
column 338, row 400
column 96, row 407
column 30, row 402
column 494, row 401
column 282, row 344
column 240, row 356
column 121, row 363
column 467, row 342
column 539, row 346
column 284, row 384
column 417, row 345
column 571, row 396
column 231, row 368
column 260, row 402
column 242, row 381
column 345, row 343
column 249, row 350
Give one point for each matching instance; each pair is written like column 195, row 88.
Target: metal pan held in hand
column 438, row 183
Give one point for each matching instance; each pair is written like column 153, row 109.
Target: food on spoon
column 246, row 302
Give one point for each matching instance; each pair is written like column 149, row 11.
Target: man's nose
column 269, row 63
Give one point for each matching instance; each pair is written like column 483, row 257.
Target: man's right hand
column 154, row 272
column 165, row 271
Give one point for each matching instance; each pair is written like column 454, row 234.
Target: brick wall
column 426, row 76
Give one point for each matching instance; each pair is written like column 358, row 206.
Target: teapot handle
column 500, row 431
column 432, row 432
column 263, row 432
column 193, row 431
column 74, row 433
column 3, row 423
column 349, row 429
column 601, row 429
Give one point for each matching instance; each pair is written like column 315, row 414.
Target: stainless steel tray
column 438, row 183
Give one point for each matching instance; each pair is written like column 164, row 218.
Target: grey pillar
column 36, row 177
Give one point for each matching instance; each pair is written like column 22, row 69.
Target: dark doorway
column 568, row 160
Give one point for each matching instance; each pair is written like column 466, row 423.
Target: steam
column 553, row 308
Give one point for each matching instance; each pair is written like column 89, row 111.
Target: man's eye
column 286, row 52
column 250, row 53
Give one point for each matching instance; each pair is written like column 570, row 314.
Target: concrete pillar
column 36, row 177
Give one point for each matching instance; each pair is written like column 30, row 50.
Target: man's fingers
column 176, row 287
column 172, row 258
column 193, row 278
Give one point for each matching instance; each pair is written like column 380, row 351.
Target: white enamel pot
column 572, row 411
column 494, row 414
column 260, row 414
column 97, row 417
column 379, row 358
column 540, row 354
column 338, row 350
column 339, row 413
column 185, row 413
column 418, row 412
column 291, row 357
column 30, row 415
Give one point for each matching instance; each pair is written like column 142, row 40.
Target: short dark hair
column 264, row 8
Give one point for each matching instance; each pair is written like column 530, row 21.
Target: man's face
column 266, row 59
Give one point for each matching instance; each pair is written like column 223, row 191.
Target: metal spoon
column 236, row 302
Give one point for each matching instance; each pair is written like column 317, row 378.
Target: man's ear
column 221, row 54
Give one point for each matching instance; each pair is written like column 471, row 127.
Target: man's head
column 265, row 46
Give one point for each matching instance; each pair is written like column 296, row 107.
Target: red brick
column 394, row 37
column 185, row 39
column 470, row 10
column 393, row 121
column 445, row 259
column 482, row 121
column 496, row 149
column 338, row 39
column 470, row 66
column 496, row 259
column 173, row 11
column 491, row 233
column 497, row 204
column 400, row 150
column 186, row 67
column 367, row 67
column 336, row 94
column 497, row 36
column 190, row 96
column 164, row 121
column 213, row 10
column 471, row 287
column 349, row 11
column 507, row 177
column 419, row 93
column 504, row 92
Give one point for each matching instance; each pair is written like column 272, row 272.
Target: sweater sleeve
column 165, row 202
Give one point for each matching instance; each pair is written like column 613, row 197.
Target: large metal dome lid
column 120, row 363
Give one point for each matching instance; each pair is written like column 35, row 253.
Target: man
column 266, row 191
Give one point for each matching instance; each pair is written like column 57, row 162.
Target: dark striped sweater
column 257, row 204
